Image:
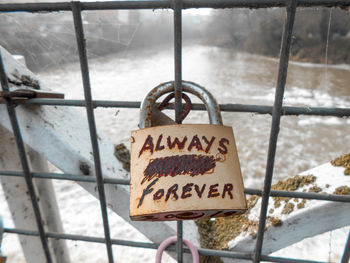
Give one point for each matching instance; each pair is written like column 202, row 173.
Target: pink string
column 171, row 240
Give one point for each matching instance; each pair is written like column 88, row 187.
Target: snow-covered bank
column 292, row 220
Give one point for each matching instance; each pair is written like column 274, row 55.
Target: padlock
column 184, row 171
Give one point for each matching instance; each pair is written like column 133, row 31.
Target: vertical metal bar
column 276, row 116
column 179, row 244
column 76, row 8
column 346, row 255
column 177, row 5
column 24, row 162
column 178, row 56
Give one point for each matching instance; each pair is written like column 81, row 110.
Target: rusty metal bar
column 346, row 255
column 79, row 32
column 24, row 162
column 260, row 109
column 249, row 191
column 161, row 4
column 204, row 252
column 276, row 117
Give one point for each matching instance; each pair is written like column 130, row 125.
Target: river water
column 304, row 141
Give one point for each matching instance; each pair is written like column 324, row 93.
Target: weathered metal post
column 49, row 207
column 20, row 206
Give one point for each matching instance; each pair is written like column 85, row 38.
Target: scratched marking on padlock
column 185, row 172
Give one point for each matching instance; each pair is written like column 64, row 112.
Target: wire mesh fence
column 276, row 111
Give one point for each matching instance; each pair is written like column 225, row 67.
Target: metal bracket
column 22, row 95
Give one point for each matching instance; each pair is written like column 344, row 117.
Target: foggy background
column 47, row 40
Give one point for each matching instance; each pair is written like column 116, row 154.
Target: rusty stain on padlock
column 184, row 171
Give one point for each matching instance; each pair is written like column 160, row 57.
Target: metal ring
column 184, row 112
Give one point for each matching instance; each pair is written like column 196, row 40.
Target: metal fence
column 277, row 111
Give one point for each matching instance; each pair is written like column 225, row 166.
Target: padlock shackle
column 207, row 98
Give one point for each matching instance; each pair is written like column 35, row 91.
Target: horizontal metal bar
column 288, row 260
column 80, row 178
column 70, row 177
column 320, row 111
column 249, row 191
column 303, row 195
column 204, row 252
column 81, row 103
column 82, row 238
column 259, row 3
column 260, row 109
column 161, row 4
column 238, row 255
